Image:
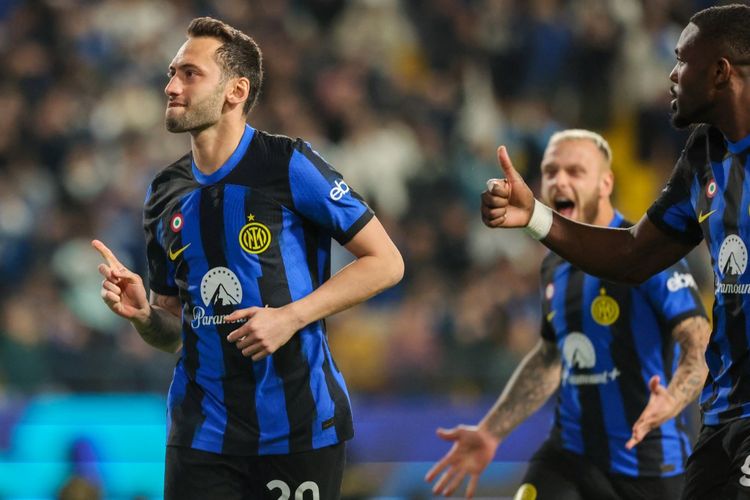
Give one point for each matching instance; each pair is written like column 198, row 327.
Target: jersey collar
column 739, row 146
column 231, row 162
column 616, row 220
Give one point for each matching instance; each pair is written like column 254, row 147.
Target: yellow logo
column 605, row 309
column 174, row 255
column 527, row 491
column 702, row 216
column 551, row 315
column 254, row 236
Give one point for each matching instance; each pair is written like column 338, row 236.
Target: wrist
column 143, row 319
column 296, row 315
column 540, row 222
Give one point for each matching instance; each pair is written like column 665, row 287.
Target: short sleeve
column 160, row 271
column 319, row 193
column 674, row 294
column 673, row 211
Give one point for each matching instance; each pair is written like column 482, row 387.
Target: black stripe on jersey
column 188, row 411
column 735, row 324
column 342, row 417
column 634, row 392
column 594, row 433
column 241, row 434
column 289, row 361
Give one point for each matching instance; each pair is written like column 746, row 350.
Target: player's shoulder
column 273, row 144
column 704, row 140
column 171, row 181
column 550, row 262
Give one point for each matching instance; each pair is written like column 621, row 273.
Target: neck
column 214, row 145
column 605, row 215
column 734, row 120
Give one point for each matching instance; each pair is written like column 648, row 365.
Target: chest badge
column 255, row 237
column 604, row 309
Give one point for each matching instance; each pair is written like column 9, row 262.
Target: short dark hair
column 238, row 55
column 727, row 26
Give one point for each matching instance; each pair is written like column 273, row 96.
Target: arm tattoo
column 163, row 329
column 533, row 382
column 692, row 334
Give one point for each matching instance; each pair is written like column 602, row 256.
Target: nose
column 173, row 87
column 673, row 74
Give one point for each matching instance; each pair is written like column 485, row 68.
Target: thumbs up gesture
column 507, row 202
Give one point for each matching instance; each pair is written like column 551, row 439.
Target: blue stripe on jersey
column 315, row 196
column 270, row 405
column 718, row 357
column 293, row 252
column 678, row 216
column 649, row 349
column 231, row 162
column 209, row 435
column 569, row 404
column 613, row 408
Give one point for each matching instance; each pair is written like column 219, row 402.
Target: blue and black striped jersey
column 613, row 338
column 257, row 232
column 708, row 197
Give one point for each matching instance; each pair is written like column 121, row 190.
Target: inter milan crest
column 604, row 309
column 254, row 237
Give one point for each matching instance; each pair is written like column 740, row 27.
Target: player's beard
column 199, row 115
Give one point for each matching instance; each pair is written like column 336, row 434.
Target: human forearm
column 160, row 329
column 365, row 277
column 687, row 382
column 533, row 382
column 626, row 255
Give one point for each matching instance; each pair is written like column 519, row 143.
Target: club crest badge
column 254, row 236
column 604, row 309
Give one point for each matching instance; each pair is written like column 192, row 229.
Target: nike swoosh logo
column 551, row 315
column 702, row 216
column 174, row 255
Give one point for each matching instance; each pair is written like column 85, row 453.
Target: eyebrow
column 184, row 66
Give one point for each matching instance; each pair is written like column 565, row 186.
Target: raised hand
column 660, row 408
column 264, row 332
column 507, row 202
column 122, row 290
column 473, row 449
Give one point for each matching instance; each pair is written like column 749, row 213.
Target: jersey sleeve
column 320, row 194
column 673, row 211
column 160, row 271
column 674, row 294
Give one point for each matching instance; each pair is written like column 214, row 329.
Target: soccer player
column 238, row 236
column 706, row 198
column 606, row 346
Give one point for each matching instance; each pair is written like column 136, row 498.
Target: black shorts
column 719, row 467
column 558, row 474
column 200, row 475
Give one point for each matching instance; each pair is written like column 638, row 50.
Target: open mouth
column 565, row 206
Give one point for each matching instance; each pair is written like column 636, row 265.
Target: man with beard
column 605, row 346
column 706, row 198
column 238, row 240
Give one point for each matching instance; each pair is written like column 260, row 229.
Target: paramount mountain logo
column 220, row 288
column 731, row 266
column 579, row 354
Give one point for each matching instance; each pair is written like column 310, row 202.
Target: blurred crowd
column 407, row 98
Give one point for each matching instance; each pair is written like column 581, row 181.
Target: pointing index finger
column 107, row 254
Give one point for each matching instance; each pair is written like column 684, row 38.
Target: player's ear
column 238, row 91
column 723, row 72
column 607, row 183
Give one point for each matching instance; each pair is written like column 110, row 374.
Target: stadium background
column 408, row 99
